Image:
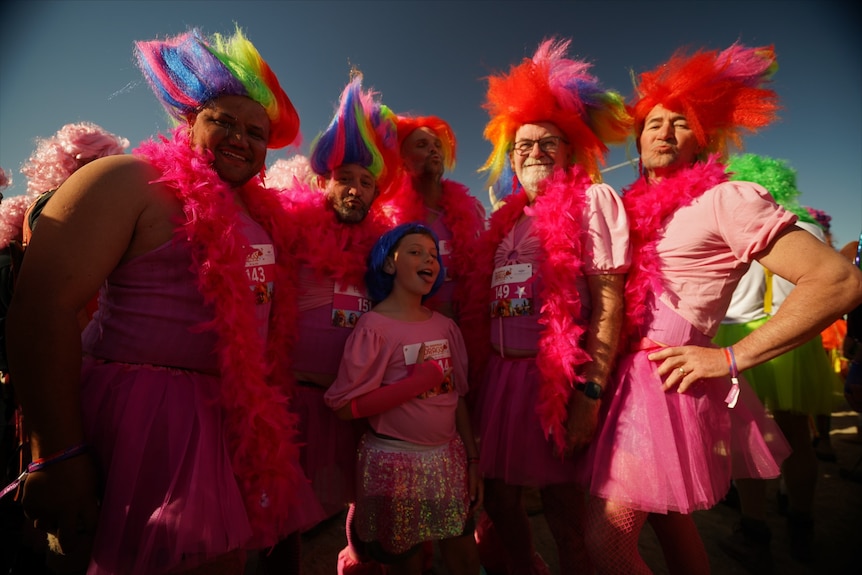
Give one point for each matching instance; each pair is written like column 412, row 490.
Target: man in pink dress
column 678, row 423
column 336, row 221
column 545, row 302
column 161, row 437
column 420, row 192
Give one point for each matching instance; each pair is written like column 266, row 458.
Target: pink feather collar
column 649, row 205
column 557, row 216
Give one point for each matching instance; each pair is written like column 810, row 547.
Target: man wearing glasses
column 547, row 291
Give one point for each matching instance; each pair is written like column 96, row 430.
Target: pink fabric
column 608, row 232
column 707, row 245
column 159, row 433
column 661, row 452
column 606, row 241
column 154, row 293
column 327, row 451
column 512, row 443
column 446, row 293
column 374, row 356
column 320, row 344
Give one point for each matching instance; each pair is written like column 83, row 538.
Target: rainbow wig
column 409, row 124
column 552, row 88
column 187, row 71
column 362, row 132
column 58, row 157
column 380, row 283
column 776, row 176
column 719, row 93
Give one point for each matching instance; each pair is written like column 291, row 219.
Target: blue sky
column 72, row 61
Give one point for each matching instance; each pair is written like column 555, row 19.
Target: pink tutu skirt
column 512, row 443
column 660, row 451
column 409, row 493
column 170, row 496
column 327, row 448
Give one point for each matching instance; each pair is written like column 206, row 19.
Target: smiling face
column 351, row 191
column 422, row 153
column 667, row 143
column 414, row 263
column 533, row 164
column 236, row 130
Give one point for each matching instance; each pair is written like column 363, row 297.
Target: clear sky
column 72, row 61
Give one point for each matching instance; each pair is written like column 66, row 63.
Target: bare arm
column 86, row 229
column 826, row 286
column 606, row 293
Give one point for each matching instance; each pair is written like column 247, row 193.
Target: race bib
column 348, row 303
column 437, row 350
column 512, row 291
column 260, row 269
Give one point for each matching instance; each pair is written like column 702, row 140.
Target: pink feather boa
column 649, row 205
column 557, row 216
column 259, row 428
column 333, row 250
column 463, row 215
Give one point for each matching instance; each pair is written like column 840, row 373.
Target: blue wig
column 378, row 282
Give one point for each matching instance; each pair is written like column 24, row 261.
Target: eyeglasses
column 547, row 145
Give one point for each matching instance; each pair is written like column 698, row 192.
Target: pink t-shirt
column 607, row 241
column 708, row 245
column 377, row 354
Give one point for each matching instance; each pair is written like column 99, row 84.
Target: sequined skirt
column 409, row 493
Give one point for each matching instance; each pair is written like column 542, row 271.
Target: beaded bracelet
column 733, row 394
column 41, row 463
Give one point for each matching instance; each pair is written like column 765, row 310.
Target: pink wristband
column 733, row 394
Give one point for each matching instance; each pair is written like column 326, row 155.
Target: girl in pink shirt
column 417, row 469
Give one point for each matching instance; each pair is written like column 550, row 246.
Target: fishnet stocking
column 611, row 535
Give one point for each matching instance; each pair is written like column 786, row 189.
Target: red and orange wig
column 719, row 93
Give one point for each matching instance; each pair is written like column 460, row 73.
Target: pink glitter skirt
column 408, row 494
column 662, row 451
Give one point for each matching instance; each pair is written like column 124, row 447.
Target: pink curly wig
column 187, row 71
column 409, row 124
column 51, row 163
column 58, row 157
column 550, row 87
column 719, row 93
column 284, row 173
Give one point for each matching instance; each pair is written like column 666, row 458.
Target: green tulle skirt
column 801, row 380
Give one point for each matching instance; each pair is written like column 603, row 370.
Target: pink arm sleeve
column 424, row 376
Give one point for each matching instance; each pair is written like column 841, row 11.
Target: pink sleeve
column 362, row 367
column 608, row 237
column 748, row 218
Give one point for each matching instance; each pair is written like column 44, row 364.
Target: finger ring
column 682, row 371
